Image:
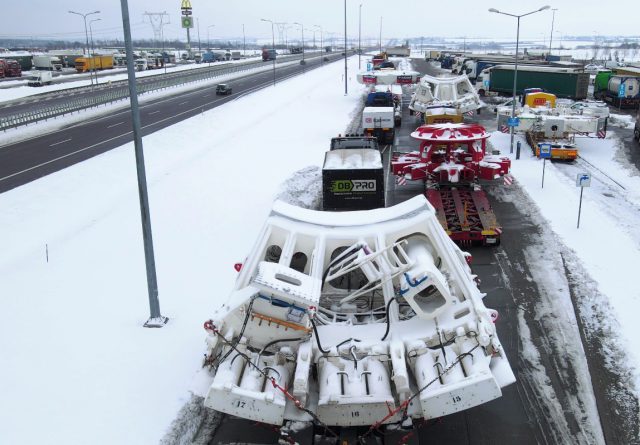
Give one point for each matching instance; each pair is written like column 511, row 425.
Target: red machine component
column 450, row 154
column 451, row 160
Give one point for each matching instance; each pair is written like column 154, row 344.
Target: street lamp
column 209, row 41
column 345, row 47
column 515, row 70
column 553, row 19
column 301, row 29
column 273, row 45
column 321, row 45
column 93, row 65
column 359, row 33
column 380, row 37
column 84, row 16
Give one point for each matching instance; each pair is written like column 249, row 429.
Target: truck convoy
column 10, row 68
column 84, row 64
column 568, row 83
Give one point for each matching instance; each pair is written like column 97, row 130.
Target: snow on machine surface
column 353, row 319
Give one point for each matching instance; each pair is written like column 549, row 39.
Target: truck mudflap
column 466, row 216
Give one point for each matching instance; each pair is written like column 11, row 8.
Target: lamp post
column 93, row 65
column 345, row 48
column 515, row 70
column 199, row 42
column 321, row 45
column 84, row 16
column 273, row 45
column 156, row 320
column 359, row 33
column 209, row 41
column 553, row 19
column 244, row 43
column 301, row 29
column 380, row 36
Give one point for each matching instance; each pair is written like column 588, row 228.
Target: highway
column 34, row 158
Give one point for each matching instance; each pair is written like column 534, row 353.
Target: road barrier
column 117, row 91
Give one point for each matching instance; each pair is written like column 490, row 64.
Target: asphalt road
column 34, row 158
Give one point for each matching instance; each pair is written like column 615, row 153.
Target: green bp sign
column 187, row 22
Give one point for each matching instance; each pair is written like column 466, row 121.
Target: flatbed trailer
column 466, row 215
column 560, row 151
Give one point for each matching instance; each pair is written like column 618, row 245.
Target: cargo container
column 623, row 91
column 352, row 179
column 84, row 64
column 568, row 83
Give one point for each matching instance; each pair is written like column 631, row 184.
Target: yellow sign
column 186, row 4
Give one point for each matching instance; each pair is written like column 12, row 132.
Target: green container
column 562, row 84
column 602, row 81
column 26, row 62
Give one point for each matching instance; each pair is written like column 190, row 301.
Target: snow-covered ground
column 76, row 360
column 77, row 367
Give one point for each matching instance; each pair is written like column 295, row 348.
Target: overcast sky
column 400, row 19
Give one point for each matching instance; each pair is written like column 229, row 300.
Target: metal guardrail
column 118, row 92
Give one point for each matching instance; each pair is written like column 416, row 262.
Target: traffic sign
column 369, row 66
column 583, row 180
column 545, row 151
column 513, row 122
column 621, row 90
column 187, row 21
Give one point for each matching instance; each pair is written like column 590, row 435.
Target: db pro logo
column 353, row 185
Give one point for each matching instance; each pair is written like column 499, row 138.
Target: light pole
column 93, row 65
column 273, row 46
column 156, row 320
column 380, row 36
column 321, row 45
column 244, row 43
column 553, row 19
column 84, row 16
column 359, row 33
column 515, row 69
column 301, row 29
column 345, row 47
column 209, row 41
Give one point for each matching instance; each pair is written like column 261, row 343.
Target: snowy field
column 77, row 363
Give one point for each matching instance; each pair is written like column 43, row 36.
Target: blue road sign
column 545, row 151
column 513, row 122
column 583, row 180
column 621, row 90
column 369, row 66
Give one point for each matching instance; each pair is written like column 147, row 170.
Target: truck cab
column 141, row 64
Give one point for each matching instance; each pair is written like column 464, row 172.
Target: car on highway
column 223, row 89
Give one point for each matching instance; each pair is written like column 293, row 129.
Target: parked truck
column 10, row 68
column 378, row 122
column 84, row 64
column 353, row 175
column 568, row 83
column 236, row 55
column 47, row 63
column 622, row 91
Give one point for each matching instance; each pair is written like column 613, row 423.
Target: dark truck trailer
column 352, row 179
column 563, row 82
